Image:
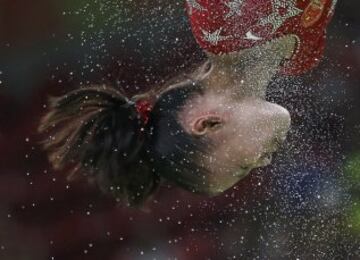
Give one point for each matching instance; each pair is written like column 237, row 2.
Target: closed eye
column 213, row 123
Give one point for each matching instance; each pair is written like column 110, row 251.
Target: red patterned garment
column 223, row 26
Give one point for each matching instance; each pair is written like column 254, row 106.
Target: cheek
column 241, row 144
column 238, row 150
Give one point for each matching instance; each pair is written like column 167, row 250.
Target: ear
column 206, row 124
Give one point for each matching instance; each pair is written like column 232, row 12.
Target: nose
column 280, row 122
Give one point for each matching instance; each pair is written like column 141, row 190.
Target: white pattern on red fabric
column 234, row 8
column 214, row 38
column 193, row 4
column 275, row 18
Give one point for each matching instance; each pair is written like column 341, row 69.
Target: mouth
column 264, row 160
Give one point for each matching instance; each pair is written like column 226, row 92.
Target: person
column 204, row 133
column 201, row 141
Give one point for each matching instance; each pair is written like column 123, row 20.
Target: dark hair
column 97, row 132
column 176, row 153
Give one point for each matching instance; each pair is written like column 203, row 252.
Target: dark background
column 305, row 206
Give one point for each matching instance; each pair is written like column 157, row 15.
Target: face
column 243, row 133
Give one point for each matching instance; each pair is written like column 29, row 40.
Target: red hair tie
column 143, row 108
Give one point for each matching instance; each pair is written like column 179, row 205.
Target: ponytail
column 97, row 132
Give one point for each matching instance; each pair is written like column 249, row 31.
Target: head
column 207, row 141
column 200, row 140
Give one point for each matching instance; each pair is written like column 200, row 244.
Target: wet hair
column 176, row 154
column 97, row 132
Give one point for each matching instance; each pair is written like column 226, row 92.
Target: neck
column 248, row 72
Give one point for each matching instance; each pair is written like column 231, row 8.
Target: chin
column 218, row 187
column 211, row 191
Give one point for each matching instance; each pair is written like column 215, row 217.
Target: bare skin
column 248, row 72
column 244, row 73
column 243, row 135
column 233, row 115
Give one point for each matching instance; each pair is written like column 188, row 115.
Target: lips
column 264, row 160
column 243, row 171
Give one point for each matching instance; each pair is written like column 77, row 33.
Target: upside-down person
column 207, row 132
